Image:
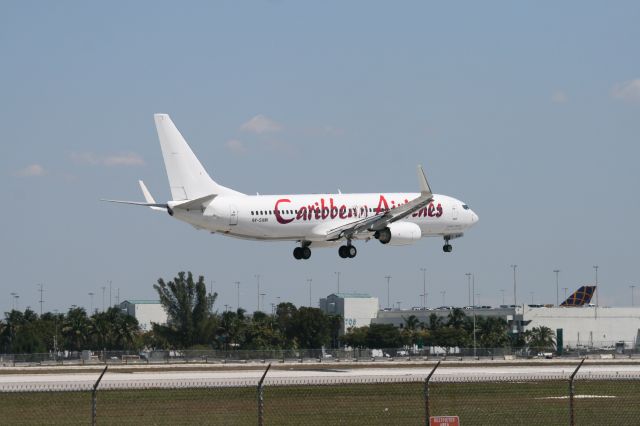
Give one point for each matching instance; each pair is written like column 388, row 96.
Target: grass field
column 482, row 403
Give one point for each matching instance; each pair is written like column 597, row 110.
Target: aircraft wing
column 378, row 222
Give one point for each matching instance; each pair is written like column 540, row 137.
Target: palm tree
column 541, row 338
column 456, row 318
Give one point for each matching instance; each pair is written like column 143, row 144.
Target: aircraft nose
column 474, row 217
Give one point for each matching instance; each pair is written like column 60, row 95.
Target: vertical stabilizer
column 581, row 296
column 187, row 178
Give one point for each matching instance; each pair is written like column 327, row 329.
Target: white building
column 357, row 310
column 588, row 326
column 146, row 312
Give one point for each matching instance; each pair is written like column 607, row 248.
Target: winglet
column 425, row 189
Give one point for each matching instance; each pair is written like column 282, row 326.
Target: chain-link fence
column 513, row 400
column 211, row 356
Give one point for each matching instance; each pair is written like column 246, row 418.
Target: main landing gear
column 302, row 253
column 347, row 251
column 447, row 248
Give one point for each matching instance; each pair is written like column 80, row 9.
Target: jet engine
column 399, row 234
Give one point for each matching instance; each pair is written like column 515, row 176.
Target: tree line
column 454, row 331
column 194, row 324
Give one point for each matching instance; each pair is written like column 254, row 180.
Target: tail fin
column 581, row 296
column 187, row 178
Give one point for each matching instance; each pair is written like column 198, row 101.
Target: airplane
column 311, row 220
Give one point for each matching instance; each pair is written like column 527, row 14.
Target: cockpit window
column 466, row 207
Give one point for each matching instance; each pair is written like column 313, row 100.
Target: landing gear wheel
column 306, row 253
column 343, row 252
column 447, row 248
column 352, row 251
column 297, row 253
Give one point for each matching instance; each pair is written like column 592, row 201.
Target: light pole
column 468, row 274
column 597, row 289
column 388, row 277
column 557, row 272
column 515, row 299
column 41, row 290
column 103, row 289
column 473, row 306
column 309, row 280
column 237, row 283
column 424, row 287
column 91, row 296
column 258, row 284
column 338, row 278
column 632, row 287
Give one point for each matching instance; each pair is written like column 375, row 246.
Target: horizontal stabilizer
column 154, row 206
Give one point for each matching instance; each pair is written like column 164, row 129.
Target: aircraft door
column 233, row 215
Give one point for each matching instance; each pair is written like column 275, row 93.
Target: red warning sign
column 444, row 421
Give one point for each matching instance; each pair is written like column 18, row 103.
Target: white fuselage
column 308, row 217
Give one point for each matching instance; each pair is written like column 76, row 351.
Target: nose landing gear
column 447, row 248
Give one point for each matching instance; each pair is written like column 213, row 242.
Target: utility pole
column 338, row 275
column 41, row 299
column 515, row 299
column 557, row 271
column 237, row 283
column 309, row 281
column 258, row 284
column 91, row 297
column 103, row 289
column 632, row 287
column 110, row 300
column 388, row 277
column 424, row 287
column 468, row 274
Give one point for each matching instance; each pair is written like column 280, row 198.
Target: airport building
column 356, row 309
column 145, row 311
column 583, row 326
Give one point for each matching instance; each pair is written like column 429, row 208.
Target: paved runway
column 176, row 379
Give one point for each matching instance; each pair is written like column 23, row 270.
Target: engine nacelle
column 399, row 234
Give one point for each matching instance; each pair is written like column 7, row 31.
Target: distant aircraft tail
column 581, row 296
column 187, row 178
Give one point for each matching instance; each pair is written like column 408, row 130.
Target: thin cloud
column 32, row 170
column 559, row 97
column 628, row 90
column 127, row 159
column 236, row 146
column 261, row 124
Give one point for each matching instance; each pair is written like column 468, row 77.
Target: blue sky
column 529, row 112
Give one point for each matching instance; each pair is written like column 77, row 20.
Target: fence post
column 94, row 397
column 426, row 394
column 261, row 397
column 572, row 420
